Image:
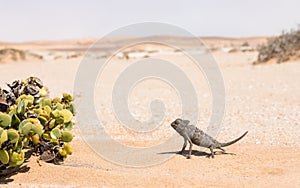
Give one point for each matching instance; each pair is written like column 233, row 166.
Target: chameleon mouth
column 174, row 124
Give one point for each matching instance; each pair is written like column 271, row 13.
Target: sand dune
column 68, row 49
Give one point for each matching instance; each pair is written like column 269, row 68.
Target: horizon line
column 130, row 37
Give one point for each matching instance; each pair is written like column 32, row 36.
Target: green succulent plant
column 31, row 121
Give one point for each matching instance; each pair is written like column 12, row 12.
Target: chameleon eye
column 178, row 121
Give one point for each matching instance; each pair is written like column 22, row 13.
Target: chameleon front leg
column 190, row 150
column 184, row 146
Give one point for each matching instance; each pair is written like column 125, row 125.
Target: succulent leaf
column 62, row 152
column 42, row 119
column 68, row 126
column 72, row 108
column 5, row 120
column 68, row 148
column 67, row 114
column 45, row 102
column 21, row 107
column 67, row 97
column 52, row 123
column 3, row 137
column 66, row 136
column 36, row 139
column 21, row 125
column 4, row 157
column 55, row 133
column 13, row 135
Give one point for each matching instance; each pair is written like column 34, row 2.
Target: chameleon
column 194, row 135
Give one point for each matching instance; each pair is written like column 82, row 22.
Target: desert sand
column 263, row 99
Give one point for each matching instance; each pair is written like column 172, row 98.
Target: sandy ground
column 262, row 99
column 252, row 166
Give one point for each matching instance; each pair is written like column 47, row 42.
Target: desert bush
column 32, row 122
column 281, row 48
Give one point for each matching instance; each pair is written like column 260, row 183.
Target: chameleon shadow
column 196, row 153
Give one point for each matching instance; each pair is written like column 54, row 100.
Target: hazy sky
column 68, row 19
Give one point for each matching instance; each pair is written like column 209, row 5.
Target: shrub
column 32, row 122
column 281, row 48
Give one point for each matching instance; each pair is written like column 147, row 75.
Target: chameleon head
column 175, row 123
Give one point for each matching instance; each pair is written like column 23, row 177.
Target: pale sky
column 27, row 20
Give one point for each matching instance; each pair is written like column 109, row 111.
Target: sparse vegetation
column 282, row 48
column 245, row 44
column 11, row 54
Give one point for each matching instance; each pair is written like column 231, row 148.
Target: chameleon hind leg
column 212, row 154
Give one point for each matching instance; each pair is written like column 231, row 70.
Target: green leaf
column 4, row 157
column 67, row 114
column 13, row 135
column 68, row 126
column 3, row 137
column 21, row 107
column 5, row 120
column 67, row 136
column 55, row 133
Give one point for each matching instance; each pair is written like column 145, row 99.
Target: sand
column 262, row 99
